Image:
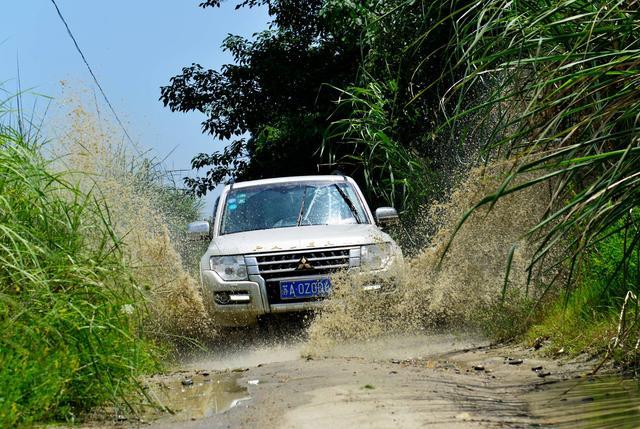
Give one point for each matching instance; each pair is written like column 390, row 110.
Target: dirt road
column 439, row 381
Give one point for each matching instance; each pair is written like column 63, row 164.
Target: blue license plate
column 308, row 288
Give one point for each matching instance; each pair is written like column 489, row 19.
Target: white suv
column 276, row 242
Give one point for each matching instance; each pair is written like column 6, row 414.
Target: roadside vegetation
column 560, row 81
column 601, row 314
column 71, row 315
column 436, row 88
column 93, row 291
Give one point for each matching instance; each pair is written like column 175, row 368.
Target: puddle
column 600, row 402
column 208, row 395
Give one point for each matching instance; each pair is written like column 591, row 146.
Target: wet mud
column 439, row 380
column 430, row 379
column 609, row 401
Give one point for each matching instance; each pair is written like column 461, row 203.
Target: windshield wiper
column 347, row 200
column 301, row 212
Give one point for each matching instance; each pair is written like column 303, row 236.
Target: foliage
column 270, row 105
column 274, row 105
column 381, row 128
column 587, row 319
column 561, row 78
column 392, row 173
column 70, row 314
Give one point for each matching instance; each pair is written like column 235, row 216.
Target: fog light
column 234, row 297
column 222, row 298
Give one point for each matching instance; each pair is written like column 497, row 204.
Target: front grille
column 274, row 267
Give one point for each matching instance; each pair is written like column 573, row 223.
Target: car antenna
column 232, row 182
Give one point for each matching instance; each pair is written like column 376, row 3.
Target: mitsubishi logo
column 303, row 264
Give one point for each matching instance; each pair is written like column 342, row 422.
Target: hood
column 296, row 238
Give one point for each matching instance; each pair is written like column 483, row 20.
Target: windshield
column 291, row 204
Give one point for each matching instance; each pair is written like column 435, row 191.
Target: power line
column 95, row 79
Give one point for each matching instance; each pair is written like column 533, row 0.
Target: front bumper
column 254, row 303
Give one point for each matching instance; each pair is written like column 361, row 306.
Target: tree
column 273, row 104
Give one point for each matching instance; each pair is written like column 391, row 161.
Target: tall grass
column 562, row 77
column 600, row 316
column 392, row 172
column 70, row 312
column 559, row 83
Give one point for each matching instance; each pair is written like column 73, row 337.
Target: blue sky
column 134, row 47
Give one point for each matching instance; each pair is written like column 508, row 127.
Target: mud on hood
column 296, row 238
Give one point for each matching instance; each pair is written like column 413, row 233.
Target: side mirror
column 386, row 215
column 197, row 231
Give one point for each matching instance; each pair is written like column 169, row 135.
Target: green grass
column 70, row 313
column 587, row 320
column 569, row 330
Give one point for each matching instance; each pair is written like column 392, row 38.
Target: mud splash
column 432, row 293
column 427, row 295
column 600, row 402
column 129, row 184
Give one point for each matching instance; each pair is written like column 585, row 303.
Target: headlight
column 375, row 256
column 229, row 267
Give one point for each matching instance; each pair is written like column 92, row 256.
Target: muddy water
column 198, row 396
column 434, row 289
column 600, row 402
column 128, row 184
column 393, row 381
column 245, row 357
